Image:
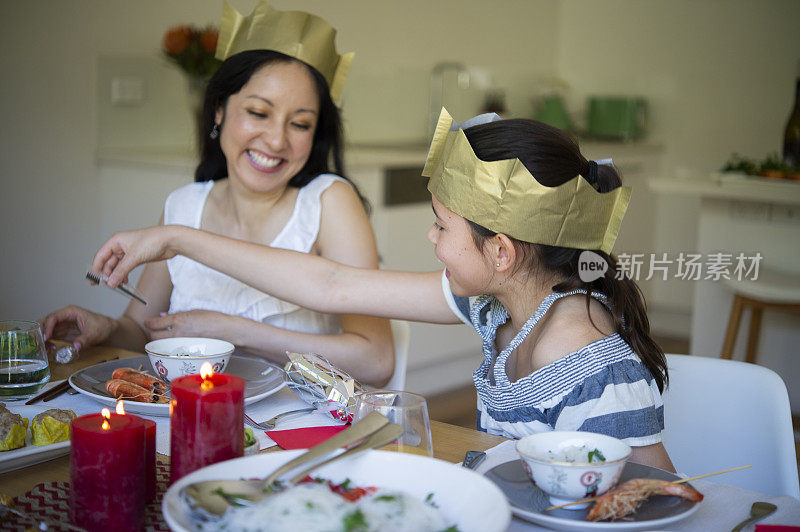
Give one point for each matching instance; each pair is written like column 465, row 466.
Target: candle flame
column 172, row 406
column 206, row 370
column 120, row 408
column 106, row 415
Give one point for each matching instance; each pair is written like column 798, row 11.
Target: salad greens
column 249, row 438
column 596, row 456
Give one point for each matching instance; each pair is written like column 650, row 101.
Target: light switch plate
column 127, row 90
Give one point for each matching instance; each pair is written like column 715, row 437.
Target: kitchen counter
column 186, row 158
column 732, row 187
column 168, row 157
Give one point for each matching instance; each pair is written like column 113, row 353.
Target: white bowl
column 176, row 357
column 546, row 458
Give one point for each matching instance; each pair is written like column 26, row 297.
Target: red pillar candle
column 149, row 460
column 206, row 420
column 107, row 472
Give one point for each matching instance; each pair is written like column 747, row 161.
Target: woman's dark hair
column 554, row 158
column 229, row 79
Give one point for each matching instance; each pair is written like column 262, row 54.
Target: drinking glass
column 23, row 360
column 404, row 408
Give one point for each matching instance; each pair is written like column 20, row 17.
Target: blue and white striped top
column 602, row 387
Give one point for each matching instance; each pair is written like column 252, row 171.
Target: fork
column 97, row 278
column 270, row 423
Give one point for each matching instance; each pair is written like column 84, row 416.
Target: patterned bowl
column 570, row 465
column 176, row 357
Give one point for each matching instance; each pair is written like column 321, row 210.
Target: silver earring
column 214, row 132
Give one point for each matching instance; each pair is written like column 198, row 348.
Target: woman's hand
column 77, row 325
column 206, row 323
column 127, row 249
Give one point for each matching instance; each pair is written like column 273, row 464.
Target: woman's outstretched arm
column 309, row 281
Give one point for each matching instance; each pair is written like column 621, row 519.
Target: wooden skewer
column 681, row 481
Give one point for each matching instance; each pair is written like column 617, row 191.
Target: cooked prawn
column 122, row 389
column 625, row 498
column 141, row 378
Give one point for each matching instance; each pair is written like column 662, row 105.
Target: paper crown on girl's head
column 505, row 197
column 297, row 34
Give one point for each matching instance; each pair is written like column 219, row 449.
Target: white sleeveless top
column 195, row 286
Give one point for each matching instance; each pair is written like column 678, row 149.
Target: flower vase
column 196, row 88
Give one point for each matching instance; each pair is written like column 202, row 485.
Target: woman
column 269, row 130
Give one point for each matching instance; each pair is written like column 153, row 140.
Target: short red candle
column 107, row 473
column 149, row 459
column 206, row 422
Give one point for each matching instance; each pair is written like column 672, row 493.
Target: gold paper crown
column 504, row 197
column 298, row 34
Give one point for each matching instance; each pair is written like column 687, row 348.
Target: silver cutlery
column 759, row 510
column 270, row 423
column 473, row 458
column 211, row 498
column 129, row 291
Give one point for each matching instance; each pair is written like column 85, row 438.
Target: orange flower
column 208, row 40
column 192, row 49
column 176, row 40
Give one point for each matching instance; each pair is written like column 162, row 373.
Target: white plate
column 527, row 502
column 465, row 498
column 30, row 454
column 262, row 379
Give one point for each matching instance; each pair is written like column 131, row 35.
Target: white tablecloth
column 723, row 507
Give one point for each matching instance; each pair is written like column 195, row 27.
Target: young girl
column 515, row 203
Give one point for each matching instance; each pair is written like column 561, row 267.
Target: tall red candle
column 107, row 472
column 206, row 421
column 149, row 460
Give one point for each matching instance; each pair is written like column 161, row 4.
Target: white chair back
column 402, row 341
column 720, row 414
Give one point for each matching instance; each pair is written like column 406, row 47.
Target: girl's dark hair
column 229, row 79
column 554, row 158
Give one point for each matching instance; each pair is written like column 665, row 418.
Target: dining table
column 450, row 442
column 723, row 506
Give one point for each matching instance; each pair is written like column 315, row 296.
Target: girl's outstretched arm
column 307, row 280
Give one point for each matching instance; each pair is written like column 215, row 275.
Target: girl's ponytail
column 626, row 300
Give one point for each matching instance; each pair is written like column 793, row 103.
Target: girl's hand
column 128, row 249
column 77, row 325
column 195, row 323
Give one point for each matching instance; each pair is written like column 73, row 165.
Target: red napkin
column 777, row 528
column 303, row 438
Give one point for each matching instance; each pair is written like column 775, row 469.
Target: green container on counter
column 616, row 117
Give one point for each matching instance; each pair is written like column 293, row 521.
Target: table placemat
column 50, row 501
